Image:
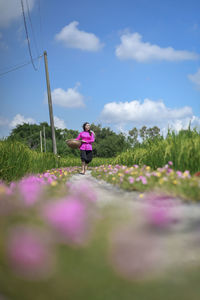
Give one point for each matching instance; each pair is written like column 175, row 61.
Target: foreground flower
column 159, row 210
column 69, row 218
column 29, row 253
column 135, row 255
column 30, row 189
column 83, row 190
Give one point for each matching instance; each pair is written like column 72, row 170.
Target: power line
column 27, row 37
column 19, row 66
column 29, row 16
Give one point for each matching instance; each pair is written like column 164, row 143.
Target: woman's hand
column 83, row 141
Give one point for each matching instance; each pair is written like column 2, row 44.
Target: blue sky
column 118, row 63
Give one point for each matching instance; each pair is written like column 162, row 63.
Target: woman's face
column 87, row 127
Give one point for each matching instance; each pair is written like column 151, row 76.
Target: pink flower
column 179, row 173
column 68, row 217
column 135, row 255
column 143, row 179
column 170, row 163
column 29, row 253
column 131, row 179
column 83, row 190
column 30, row 189
column 159, row 212
column 127, row 171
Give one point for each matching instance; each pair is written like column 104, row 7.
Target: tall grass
column 183, row 149
column 17, row 160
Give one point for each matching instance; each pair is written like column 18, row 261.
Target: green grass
column 17, row 160
column 183, row 149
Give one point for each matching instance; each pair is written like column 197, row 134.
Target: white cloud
column 72, row 37
column 149, row 113
column 132, row 47
column 11, row 11
column 69, row 98
column 19, row 119
column 195, row 78
column 59, row 123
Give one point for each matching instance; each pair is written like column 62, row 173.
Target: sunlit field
column 59, row 242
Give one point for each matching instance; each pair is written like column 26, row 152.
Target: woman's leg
column 83, row 167
column 83, row 159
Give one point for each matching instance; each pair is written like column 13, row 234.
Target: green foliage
column 16, row 160
column 107, row 142
column 182, row 149
column 154, row 150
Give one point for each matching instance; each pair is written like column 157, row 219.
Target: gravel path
column 180, row 243
column 188, row 214
column 106, row 192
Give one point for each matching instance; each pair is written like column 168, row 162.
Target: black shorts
column 86, row 156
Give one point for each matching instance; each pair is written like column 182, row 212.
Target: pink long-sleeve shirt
column 89, row 139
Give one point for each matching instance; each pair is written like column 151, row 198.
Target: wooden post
column 45, row 146
column 50, row 104
column 41, row 141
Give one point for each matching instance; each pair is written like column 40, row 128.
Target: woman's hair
column 90, row 132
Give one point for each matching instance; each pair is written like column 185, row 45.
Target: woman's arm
column 92, row 138
column 79, row 136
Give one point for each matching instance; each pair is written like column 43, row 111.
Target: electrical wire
column 27, row 37
column 29, row 16
column 20, row 66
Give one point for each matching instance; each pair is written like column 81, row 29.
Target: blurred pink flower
column 142, row 178
column 68, row 217
column 29, row 253
column 170, row 163
column 179, row 173
column 127, row 171
column 131, row 179
column 159, row 211
column 30, row 189
column 83, row 190
column 135, row 255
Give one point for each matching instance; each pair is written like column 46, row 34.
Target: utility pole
column 41, row 141
column 50, row 104
column 45, row 147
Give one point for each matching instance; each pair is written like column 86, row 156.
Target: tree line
column 107, row 142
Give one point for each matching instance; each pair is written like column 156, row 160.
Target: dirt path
column 106, row 192
column 188, row 214
column 180, row 243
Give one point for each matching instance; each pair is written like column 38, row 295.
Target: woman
column 87, row 137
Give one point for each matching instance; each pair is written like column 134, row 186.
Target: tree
column 143, row 133
column 133, row 136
